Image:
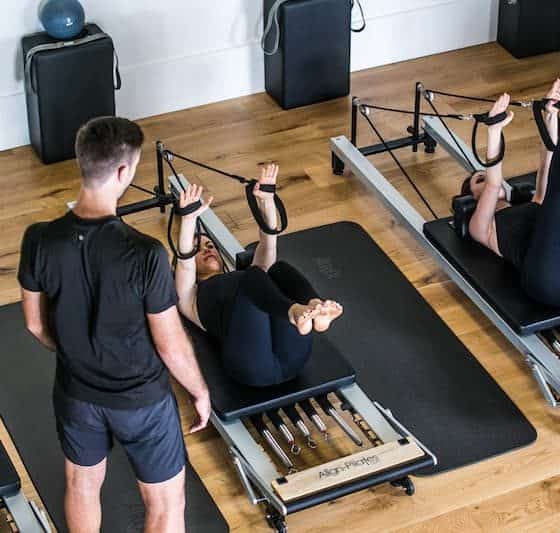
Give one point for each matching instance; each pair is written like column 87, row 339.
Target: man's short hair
column 104, row 143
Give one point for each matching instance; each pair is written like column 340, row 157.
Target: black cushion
column 326, row 371
column 495, row 280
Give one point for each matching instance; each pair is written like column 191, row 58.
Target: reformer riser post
column 547, row 364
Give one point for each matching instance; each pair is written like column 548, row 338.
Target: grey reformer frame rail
column 255, row 468
column 544, row 364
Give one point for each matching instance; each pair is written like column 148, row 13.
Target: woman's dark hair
column 104, row 143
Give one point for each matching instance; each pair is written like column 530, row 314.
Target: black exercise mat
column 326, row 371
column 404, row 355
column 26, row 376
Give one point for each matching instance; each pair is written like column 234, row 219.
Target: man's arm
column 176, row 351
column 35, row 313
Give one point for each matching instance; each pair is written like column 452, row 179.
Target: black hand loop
column 539, row 107
column 489, row 121
column 255, row 210
column 188, row 209
column 175, row 249
column 485, row 118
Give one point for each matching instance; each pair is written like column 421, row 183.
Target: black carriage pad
column 26, row 378
column 404, row 355
column 326, row 371
column 493, row 278
column 9, row 479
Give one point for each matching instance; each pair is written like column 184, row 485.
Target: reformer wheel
column 406, row 483
column 275, row 520
column 337, row 165
column 430, row 145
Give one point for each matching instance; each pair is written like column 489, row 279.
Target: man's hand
column 202, row 408
column 554, row 96
column 269, row 174
column 192, row 195
column 501, row 106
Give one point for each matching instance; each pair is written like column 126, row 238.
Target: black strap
column 255, row 210
column 188, row 209
column 249, row 187
column 485, row 118
column 538, row 109
column 268, row 187
column 175, row 249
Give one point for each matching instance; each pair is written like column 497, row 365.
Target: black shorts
column 151, row 436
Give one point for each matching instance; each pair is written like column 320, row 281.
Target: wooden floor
column 516, row 492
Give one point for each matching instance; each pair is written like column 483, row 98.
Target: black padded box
column 529, row 27
column 68, row 86
column 313, row 61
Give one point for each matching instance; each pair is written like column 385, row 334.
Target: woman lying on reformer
column 261, row 316
column 526, row 235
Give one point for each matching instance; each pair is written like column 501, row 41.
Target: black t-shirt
column 101, row 277
column 514, row 228
column 215, row 298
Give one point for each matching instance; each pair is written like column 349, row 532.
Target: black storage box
column 529, row 27
column 68, row 86
column 313, row 61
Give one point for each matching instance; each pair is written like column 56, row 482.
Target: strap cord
column 410, row 112
column 249, row 192
column 514, row 103
column 365, row 114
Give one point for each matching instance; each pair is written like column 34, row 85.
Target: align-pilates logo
column 327, row 268
column 349, row 465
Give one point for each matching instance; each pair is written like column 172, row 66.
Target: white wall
column 176, row 54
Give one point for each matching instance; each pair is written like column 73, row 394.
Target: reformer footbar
column 544, row 364
column 395, row 455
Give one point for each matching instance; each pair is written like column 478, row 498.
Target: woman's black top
column 215, row 299
column 514, row 228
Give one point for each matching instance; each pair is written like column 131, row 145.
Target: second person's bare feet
column 301, row 316
column 328, row 310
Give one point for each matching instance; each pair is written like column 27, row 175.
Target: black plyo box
column 71, row 85
column 313, row 61
column 529, row 27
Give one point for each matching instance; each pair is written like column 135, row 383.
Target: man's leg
column 82, row 502
column 152, row 437
column 165, row 505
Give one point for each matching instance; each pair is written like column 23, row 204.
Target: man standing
column 101, row 295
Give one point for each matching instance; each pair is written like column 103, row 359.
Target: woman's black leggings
column 261, row 347
column 541, row 267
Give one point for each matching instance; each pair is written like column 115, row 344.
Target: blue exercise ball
column 62, row 19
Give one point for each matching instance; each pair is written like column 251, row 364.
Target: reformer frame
column 544, row 364
column 258, row 473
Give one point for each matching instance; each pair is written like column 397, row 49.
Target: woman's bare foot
column 329, row 310
column 301, row 316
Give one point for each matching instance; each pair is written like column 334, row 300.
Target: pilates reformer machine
column 22, row 514
column 265, row 429
column 489, row 282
